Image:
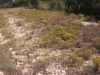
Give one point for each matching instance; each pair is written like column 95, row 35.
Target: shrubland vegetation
column 59, row 31
column 64, row 32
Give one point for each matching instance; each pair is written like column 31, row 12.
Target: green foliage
column 77, row 57
column 75, row 6
column 96, row 42
column 85, row 53
column 60, row 36
column 75, row 61
column 57, row 5
column 59, row 31
column 43, row 6
column 90, row 69
column 97, row 63
column 20, row 3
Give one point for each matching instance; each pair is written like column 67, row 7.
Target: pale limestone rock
column 1, row 73
column 40, row 73
column 56, row 70
column 89, row 23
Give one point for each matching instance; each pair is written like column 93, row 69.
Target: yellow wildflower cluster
column 59, row 35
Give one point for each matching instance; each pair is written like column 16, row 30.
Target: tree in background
column 57, row 5
column 71, row 5
column 51, row 4
column 89, row 7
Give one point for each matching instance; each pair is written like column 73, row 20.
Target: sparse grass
column 7, row 64
column 6, row 33
column 4, row 26
column 2, row 20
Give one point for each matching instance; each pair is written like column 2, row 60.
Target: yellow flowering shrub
column 96, row 42
column 96, row 39
column 85, row 53
column 97, row 62
column 62, row 36
column 74, row 60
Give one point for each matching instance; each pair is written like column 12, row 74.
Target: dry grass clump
column 2, row 20
column 97, row 63
column 94, row 68
column 3, row 25
column 85, row 53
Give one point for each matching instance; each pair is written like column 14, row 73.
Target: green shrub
column 85, row 53
column 57, row 5
column 97, row 63
column 61, row 36
column 43, row 6
column 96, row 43
column 90, row 69
column 72, row 61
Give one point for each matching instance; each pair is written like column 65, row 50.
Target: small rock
column 89, row 23
column 88, row 63
column 1, row 73
column 10, row 48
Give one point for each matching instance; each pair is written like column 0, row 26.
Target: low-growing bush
column 90, row 32
column 75, row 61
column 85, row 53
column 96, row 43
column 57, row 5
column 97, row 63
column 90, row 69
column 60, row 36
